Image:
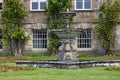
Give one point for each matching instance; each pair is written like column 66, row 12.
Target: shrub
column 113, row 69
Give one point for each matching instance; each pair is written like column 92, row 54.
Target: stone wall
column 83, row 19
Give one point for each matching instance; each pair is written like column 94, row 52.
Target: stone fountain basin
column 66, row 34
column 67, row 64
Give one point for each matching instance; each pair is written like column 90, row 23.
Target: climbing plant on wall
column 13, row 15
column 108, row 17
column 54, row 21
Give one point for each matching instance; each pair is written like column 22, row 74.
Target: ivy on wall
column 54, row 21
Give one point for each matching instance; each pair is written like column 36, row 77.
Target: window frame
column 39, row 8
column 38, row 39
column 83, row 6
column 1, row 2
column 87, row 48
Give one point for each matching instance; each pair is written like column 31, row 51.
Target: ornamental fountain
column 67, row 51
column 67, row 58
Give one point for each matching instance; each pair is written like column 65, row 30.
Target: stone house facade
column 86, row 15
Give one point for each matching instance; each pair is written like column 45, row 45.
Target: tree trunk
column 18, row 48
column 109, row 52
column 11, row 46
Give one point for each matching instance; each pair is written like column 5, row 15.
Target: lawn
column 98, row 73
column 101, row 58
column 40, row 57
column 62, row 74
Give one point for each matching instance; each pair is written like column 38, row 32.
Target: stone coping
column 67, row 64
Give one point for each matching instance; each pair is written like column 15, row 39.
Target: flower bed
column 6, row 68
column 13, row 68
column 113, row 69
column 6, row 60
column 113, row 59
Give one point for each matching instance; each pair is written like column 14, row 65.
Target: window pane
column 34, row 5
column 79, row 4
column 39, row 39
column 42, row 5
column 84, row 39
column 1, row 0
column 0, row 6
column 87, row 4
column 0, row 46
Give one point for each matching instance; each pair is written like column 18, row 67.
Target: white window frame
column 1, row 2
column 85, row 49
column 83, row 7
column 38, row 39
column 39, row 9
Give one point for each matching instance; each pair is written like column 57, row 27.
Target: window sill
column 84, row 49
column 1, row 50
column 39, row 48
column 37, row 10
column 83, row 9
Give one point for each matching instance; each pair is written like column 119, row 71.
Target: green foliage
column 13, row 12
column 53, row 42
column 13, row 15
column 59, row 23
column 55, row 21
column 56, row 6
column 108, row 17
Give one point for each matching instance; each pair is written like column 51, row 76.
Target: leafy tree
column 13, row 15
column 55, row 21
column 108, row 17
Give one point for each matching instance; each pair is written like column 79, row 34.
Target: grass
column 62, row 74
column 101, row 58
column 41, row 57
column 99, row 73
column 8, row 60
column 7, row 64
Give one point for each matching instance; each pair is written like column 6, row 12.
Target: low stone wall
column 67, row 64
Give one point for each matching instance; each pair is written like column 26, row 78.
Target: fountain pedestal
column 67, row 51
